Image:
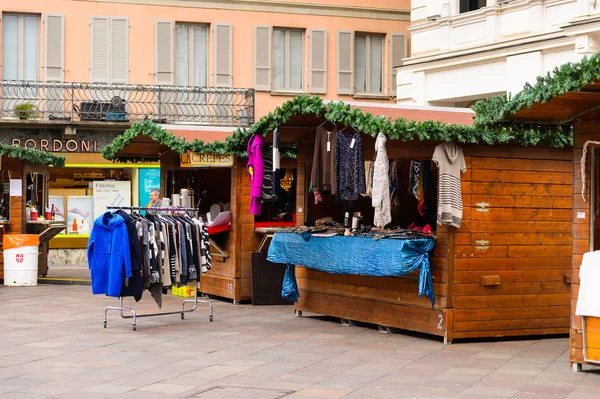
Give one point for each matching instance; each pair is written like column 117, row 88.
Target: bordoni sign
column 205, row 160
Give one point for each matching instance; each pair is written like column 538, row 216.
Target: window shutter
column 262, row 57
column 223, row 55
column 317, row 82
column 345, row 61
column 54, row 47
column 398, row 51
column 119, row 50
column 163, row 52
column 99, row 50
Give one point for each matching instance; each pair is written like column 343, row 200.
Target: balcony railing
column 99, row 102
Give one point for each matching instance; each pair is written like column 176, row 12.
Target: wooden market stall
column 24, row 177
column 568, row 102
column 504, row 272
column 214, row 178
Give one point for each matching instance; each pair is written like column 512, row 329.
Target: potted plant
column 26, row 111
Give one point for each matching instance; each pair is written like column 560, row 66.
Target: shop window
column 209, row 189
column 34, row 191
column 471, row 5
column 409, row 208
column 279, row 210
column 288, row 50
column 71, row 192
column 368, row 64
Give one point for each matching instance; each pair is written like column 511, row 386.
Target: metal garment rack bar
column 134, row 314
column 154, row 208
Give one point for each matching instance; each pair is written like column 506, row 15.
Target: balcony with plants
column 94, row 103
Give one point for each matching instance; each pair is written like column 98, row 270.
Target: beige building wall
column 388, row 18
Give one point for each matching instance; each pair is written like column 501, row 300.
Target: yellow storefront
column 73, row 185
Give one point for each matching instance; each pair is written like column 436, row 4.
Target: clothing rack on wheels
column 134, row 314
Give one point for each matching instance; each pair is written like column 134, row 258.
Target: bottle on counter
column 52, row 213
column 347, row 224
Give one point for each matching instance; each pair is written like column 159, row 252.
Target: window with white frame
column 288, row 63
column 20, row 46
column 471, row 5
column 368, row 64
column 191, row 54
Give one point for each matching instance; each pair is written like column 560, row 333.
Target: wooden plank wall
column 515, row 281
column 249, row 241
column 581, row 229
column 17, row 205
column 224, row 278
column 388, row 301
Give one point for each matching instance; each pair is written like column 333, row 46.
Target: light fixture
column 434, row 17
column 286, row 182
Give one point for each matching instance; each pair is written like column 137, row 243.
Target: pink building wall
column 142, row 18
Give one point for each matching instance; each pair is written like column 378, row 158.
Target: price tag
column 328, row 146
column 352, row 143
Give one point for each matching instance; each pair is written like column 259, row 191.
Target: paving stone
column 255, row 352
column 323, row 393
column 109, row 388
column 166, row 388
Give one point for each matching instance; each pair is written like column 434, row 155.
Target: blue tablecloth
column 353, row 255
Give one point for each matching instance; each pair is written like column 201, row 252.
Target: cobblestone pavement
column 52, row 344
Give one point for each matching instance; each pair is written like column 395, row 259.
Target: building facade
column 466, row 50
column 333, row 48
column 75, row 74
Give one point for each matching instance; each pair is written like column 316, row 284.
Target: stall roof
column 31, row 155
column 148, row 141
column 298, row 118
column 418, row 113
column 583, row 104
column 570, row 92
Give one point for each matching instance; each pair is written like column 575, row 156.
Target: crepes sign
column 205, row 160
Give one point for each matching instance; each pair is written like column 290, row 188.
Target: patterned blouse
column 350, row 166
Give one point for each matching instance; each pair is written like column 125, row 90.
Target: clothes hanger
column 349, row 126
column 327, row 121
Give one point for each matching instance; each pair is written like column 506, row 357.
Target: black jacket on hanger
column 134, row 286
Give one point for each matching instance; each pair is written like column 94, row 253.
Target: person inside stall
column 154, row 200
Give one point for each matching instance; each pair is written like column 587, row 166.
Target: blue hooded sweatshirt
column 108, row 255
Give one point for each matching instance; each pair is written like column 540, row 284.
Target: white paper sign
column 110, row 193
column 80, row 208
column 16, row 187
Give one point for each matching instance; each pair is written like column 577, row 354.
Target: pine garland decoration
column 494, row 113
column 342, row 114
column 31, row 155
